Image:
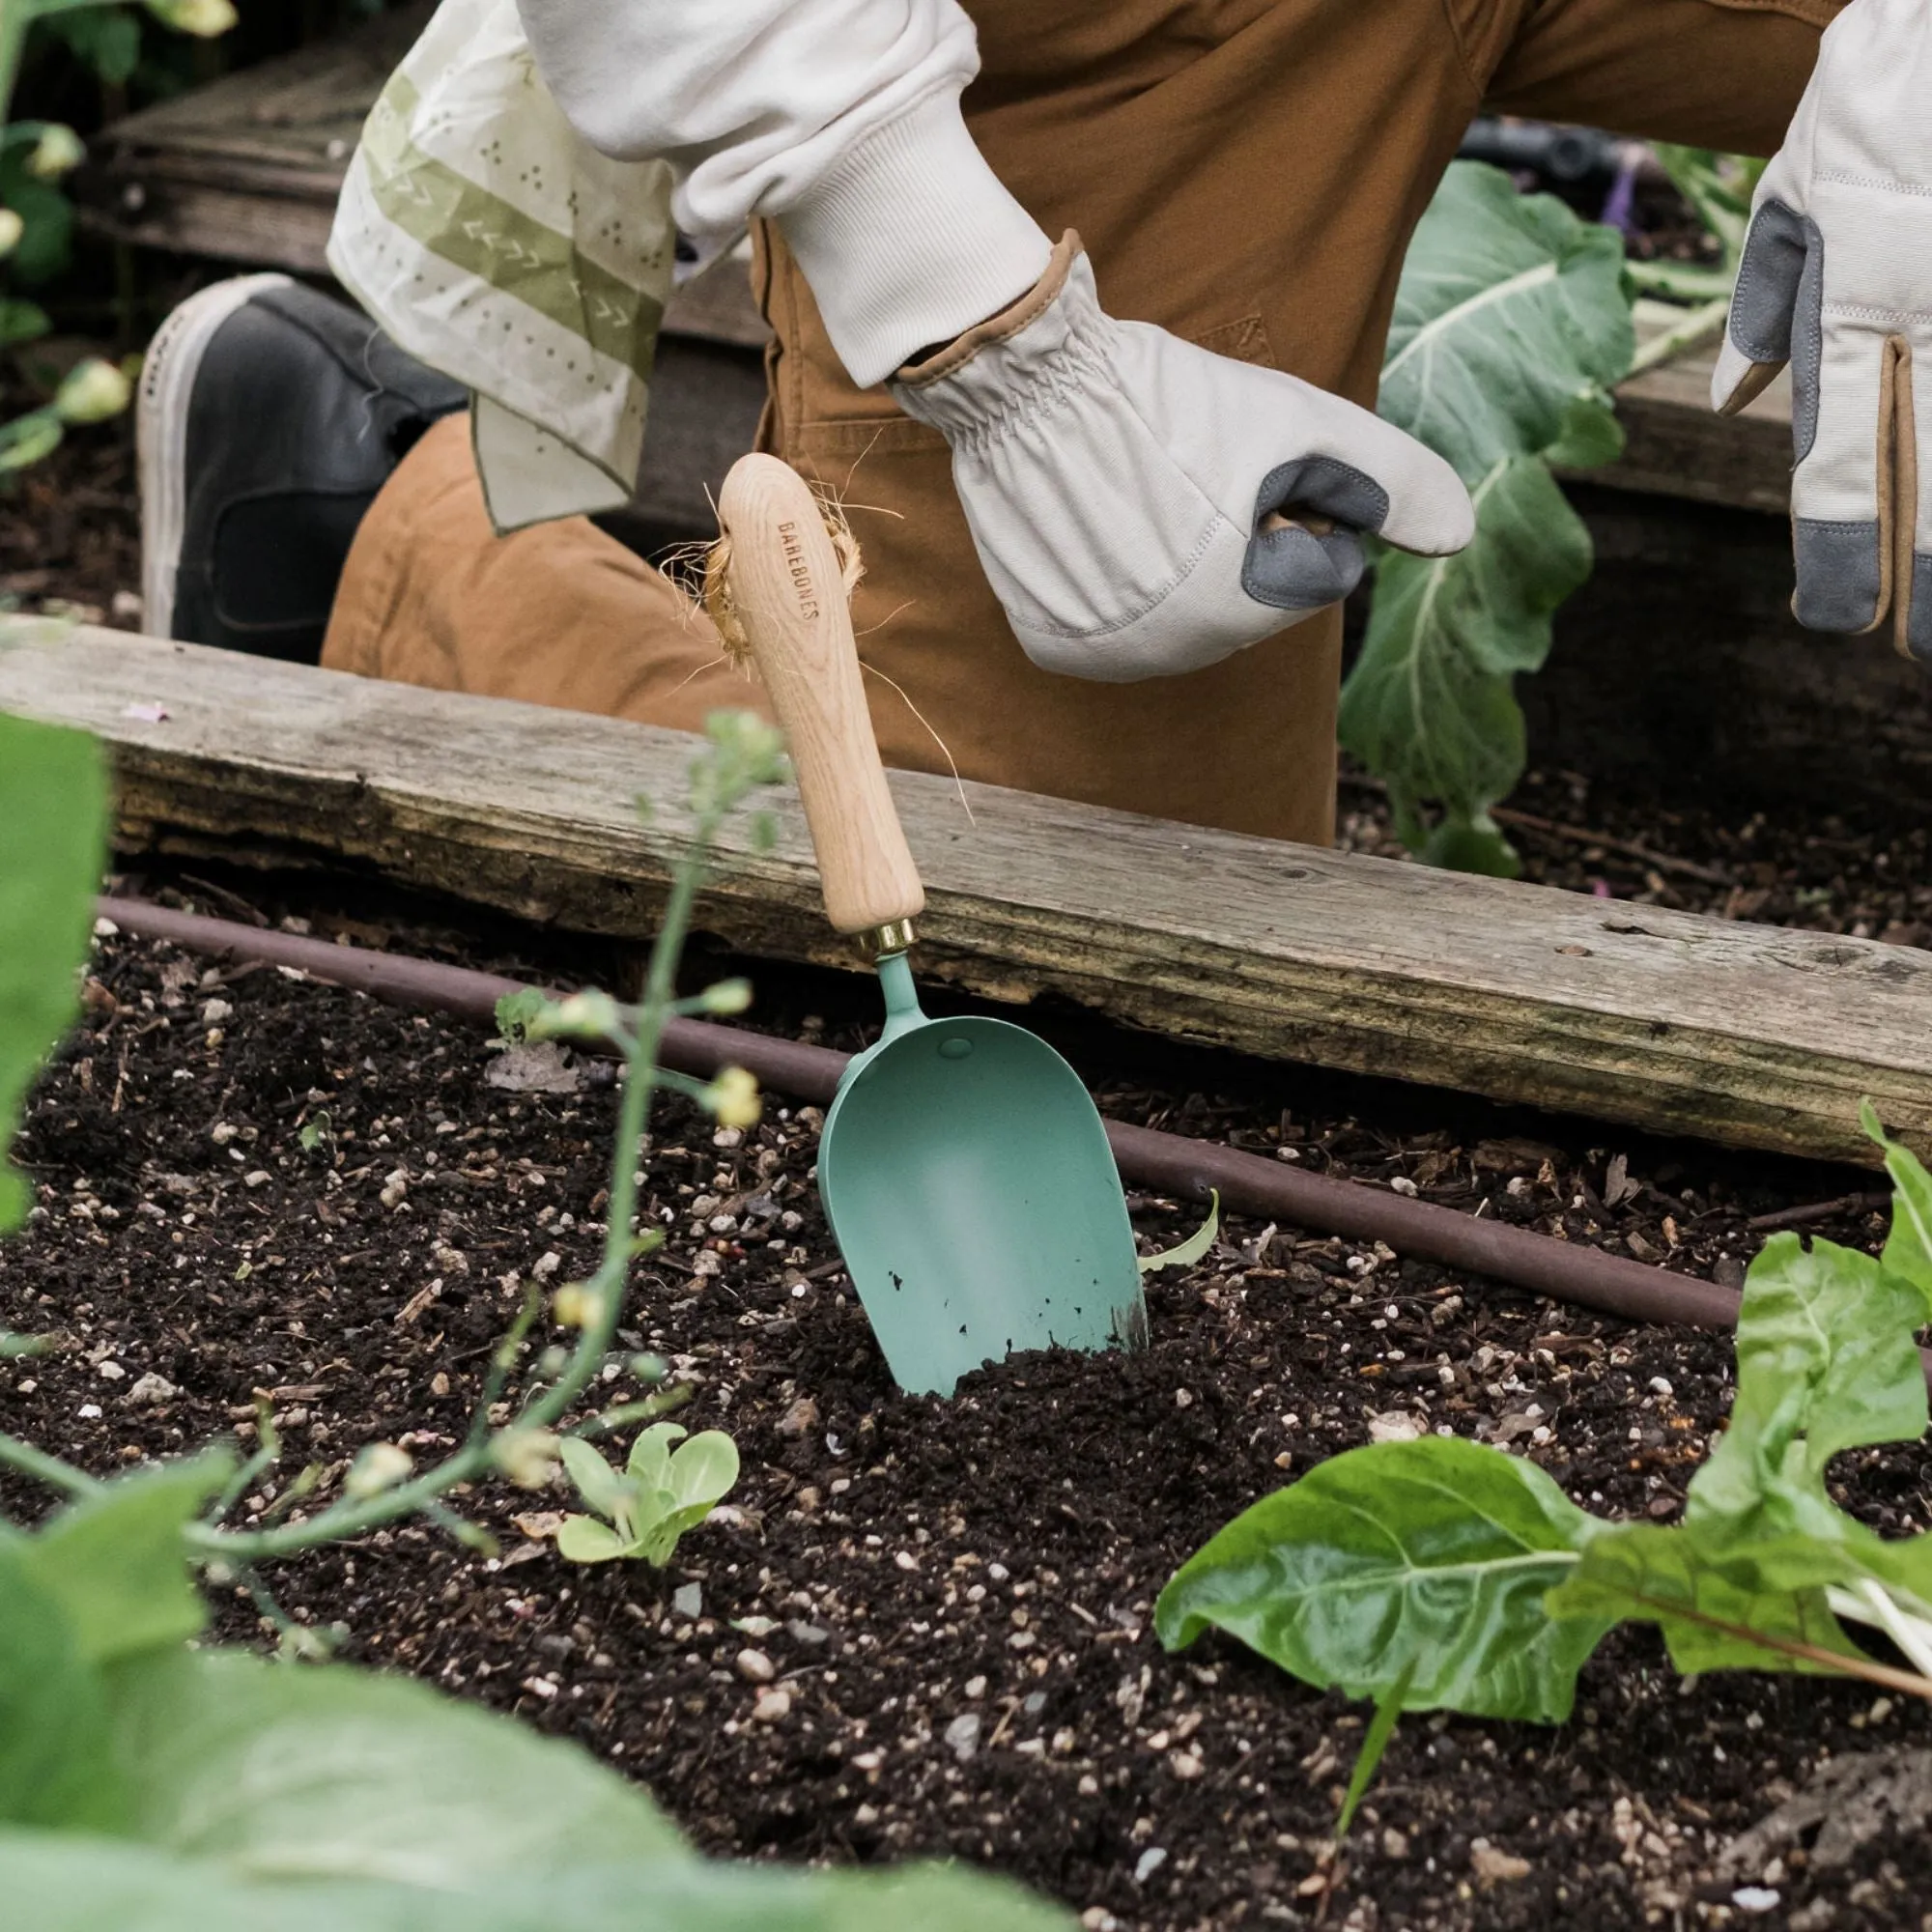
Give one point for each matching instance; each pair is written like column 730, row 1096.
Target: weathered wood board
column 1757, row 1035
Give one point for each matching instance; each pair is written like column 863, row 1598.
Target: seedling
column 661, row 1493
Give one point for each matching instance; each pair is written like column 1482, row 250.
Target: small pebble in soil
column 772, row 1706
column 756, row 1667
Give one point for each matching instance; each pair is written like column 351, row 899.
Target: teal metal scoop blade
column 971, row 1190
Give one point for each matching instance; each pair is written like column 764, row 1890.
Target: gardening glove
column 1143, row 507
column 1836, row 280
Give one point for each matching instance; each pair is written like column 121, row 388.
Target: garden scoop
column 964, row 1167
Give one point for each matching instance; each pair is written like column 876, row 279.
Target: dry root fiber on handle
column 716, row 595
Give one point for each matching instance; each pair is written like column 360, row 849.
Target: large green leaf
column 57, row 1884
column 56, row 1765
column 54, row 823
column 330, row 1773
column 1511, row 323
column 1430, row 1557
column 116, row 1563
column 1429, row 704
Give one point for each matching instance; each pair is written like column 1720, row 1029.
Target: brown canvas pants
column 1245, row 173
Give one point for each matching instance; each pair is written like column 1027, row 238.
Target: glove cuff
column 1001, row 327
column 910, row 239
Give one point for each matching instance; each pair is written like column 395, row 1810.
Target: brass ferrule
column 883, row 940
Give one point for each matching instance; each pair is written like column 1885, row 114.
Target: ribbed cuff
column 911, row 240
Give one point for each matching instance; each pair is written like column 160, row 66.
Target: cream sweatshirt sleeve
column 838, row 119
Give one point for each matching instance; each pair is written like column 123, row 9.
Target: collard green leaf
column 56, row 1759
column 1721, row 1605
column 53, row 835
column 701, row 1471
column 649, row 1463
column 1511, row 312
column 1431, row 1558
column 116, row 1563
column 1511, row 323
column 1428, row 705
column 334, row 1774
column 582, row 1539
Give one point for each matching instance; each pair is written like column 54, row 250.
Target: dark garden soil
column 922, row 1628
column 71, row 527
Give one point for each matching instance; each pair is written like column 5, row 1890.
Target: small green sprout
column 516, row 1011
column 660, row 1495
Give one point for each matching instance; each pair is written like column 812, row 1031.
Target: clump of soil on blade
column 923, row 1627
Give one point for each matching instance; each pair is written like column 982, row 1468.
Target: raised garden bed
column 957, row 1595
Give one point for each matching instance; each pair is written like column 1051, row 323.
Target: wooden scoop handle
column 788, row 588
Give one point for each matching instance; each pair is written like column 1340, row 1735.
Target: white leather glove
column 1119, row 484
column 1836, row 280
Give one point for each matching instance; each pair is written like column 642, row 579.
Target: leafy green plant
column 1446, row 1575
column 1512, row 323
column 647, row 1507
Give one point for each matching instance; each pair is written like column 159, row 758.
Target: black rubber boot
column 269, row 417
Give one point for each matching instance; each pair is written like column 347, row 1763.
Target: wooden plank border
column 1758, row 1036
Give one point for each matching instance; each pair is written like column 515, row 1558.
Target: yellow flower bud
column 727, row 997
column 58, row 151
column 94, row 391
column 203, row 17
column 381, row 1466
column 527, row 1457
column 577, row 1305
column 733, row 1098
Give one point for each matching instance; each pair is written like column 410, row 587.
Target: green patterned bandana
column 491, row 241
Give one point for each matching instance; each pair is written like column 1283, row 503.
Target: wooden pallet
column 1760, row 1036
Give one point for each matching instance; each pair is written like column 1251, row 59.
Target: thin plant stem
column 1699, row 326
column 1833, row 1661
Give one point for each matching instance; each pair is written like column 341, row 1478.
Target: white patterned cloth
column 493, row 242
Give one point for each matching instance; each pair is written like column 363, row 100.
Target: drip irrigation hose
column 1168, row 1164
